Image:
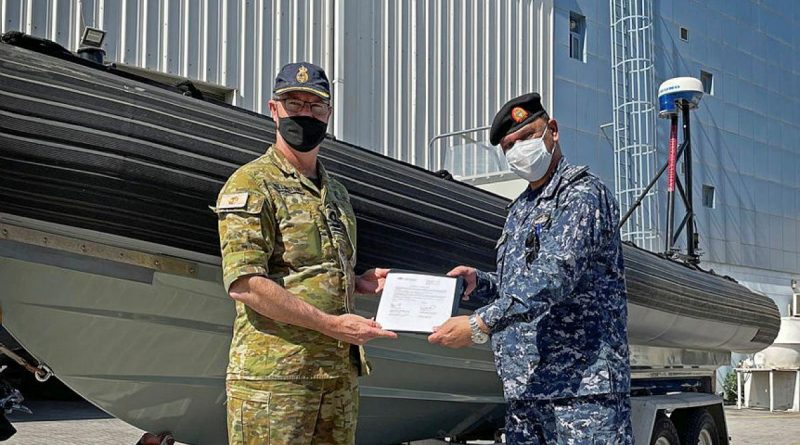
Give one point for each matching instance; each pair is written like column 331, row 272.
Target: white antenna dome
column 676, row 90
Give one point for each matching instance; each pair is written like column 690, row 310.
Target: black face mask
column 302, row 133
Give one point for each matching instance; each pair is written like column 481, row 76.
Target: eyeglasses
column 318, row 109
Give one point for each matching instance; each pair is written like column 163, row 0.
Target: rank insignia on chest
column 542, row 220
column 231, row 201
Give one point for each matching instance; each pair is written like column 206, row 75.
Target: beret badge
column 518, row 114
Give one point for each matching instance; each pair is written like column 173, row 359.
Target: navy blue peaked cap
column 302, row 76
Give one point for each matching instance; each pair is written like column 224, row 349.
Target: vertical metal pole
column 673, row 159
column 796, row 402
column 738, row 389
column 748, row 377
column 771, row 391
column 691, row 235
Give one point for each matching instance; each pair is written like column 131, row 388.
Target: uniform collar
column 288, row 169
column 548, row 190
column 281, row 162
column 552, row 186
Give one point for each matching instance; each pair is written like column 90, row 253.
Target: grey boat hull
column 150, row 348
column 143, row 331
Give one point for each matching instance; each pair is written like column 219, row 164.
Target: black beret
column 302, row 77
column 514, row 115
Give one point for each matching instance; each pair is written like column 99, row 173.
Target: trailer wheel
column 697, row 427
column 664, row 432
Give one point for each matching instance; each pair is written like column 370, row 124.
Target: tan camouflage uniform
column 288, row 384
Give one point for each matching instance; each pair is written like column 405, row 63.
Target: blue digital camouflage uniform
column 557, row 312
column 596, row 420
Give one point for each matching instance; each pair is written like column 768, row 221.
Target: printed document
column 414, row 302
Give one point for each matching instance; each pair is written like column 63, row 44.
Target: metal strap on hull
column 39, row 238
column 41, row 372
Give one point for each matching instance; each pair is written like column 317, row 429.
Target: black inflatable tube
column 94, row 149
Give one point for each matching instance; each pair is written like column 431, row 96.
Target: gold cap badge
column 518, row 114
column 302, row 74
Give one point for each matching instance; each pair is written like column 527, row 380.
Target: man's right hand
column 357, row 330
column 470, row 277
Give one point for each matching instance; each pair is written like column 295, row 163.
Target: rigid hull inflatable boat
column 110, row 268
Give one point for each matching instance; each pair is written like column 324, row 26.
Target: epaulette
column 574, row 172
column 513, row 201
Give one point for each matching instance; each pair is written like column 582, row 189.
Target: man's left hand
column 371, row 281
column 453, row 333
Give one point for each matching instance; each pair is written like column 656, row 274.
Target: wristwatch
column 478, row 337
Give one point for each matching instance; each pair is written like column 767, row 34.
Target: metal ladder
column 634, row 114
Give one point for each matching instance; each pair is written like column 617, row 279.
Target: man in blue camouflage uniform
column 556, row 307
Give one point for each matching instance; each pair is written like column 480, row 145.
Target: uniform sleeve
column 585, row 225
column 246, row 232
column 485, row 287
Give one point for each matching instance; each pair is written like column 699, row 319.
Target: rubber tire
column 663, row 428
column 694, row 421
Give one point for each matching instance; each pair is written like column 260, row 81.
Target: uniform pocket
column 518, row 356
column 300, row 235
column 248, row 416
column 255, row 422
column 611, row 436
column 348, row 408
column 234, row 407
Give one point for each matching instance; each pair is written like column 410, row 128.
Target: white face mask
column 530, row 159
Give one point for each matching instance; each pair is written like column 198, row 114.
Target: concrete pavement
column 80, row 423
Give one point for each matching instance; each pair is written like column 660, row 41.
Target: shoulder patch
column 233, row 201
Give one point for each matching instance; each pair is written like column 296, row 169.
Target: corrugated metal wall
column 403, row 71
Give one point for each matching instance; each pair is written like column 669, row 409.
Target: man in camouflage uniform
column 556, row 306
column 288, row 238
